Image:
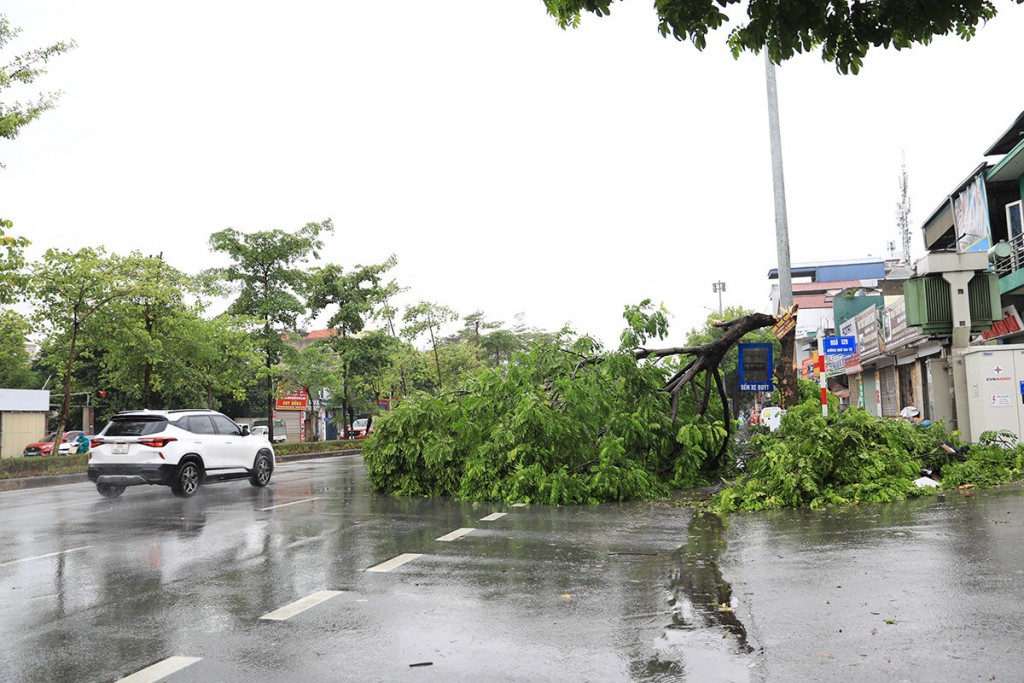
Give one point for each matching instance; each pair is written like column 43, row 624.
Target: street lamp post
column 718, row 287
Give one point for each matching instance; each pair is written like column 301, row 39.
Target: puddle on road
column 705, row 639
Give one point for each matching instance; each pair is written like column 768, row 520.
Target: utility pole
column 718, row 287
column 787, row 363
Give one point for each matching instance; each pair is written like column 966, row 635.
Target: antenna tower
column 903, row 212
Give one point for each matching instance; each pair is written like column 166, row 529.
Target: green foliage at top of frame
column 545, row 428
column 852, row 457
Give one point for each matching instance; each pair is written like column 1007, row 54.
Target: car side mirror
column 245, row 430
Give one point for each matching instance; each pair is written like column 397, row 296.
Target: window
column 133, row 426
column 224, row 425
column 1015, row 220
column 199, row 424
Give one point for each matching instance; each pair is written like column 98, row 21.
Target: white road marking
column 395, row 562
column 458, row 533
column 160, row 670
column 518, row 505
column 284, row 505
column 493, row 516
column 300, row 605
column 41, row 557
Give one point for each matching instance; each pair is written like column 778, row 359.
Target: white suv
column 177, row 448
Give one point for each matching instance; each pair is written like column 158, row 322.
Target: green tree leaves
column 844, row 32
column 23, row 69
column 542, row 428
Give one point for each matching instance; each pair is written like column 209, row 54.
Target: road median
column 15, row 476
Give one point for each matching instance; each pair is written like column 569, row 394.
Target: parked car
column 44, row 447
column 182, row 449
column 280, row 428
column 359, row 428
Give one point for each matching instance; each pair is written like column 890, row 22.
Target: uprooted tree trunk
column 703, row 371
column 706, row 359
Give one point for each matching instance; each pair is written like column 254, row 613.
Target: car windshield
column 134, row 426
column 361, row 422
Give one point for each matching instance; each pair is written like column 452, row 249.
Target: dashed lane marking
column 42, row 557
column 284, row 505
column 458, row 533
column 300, row 605
column 493, row 516
column 395, row 562
column 160, row 670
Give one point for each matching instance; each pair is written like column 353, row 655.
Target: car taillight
column 95, row 442
column 157, row 443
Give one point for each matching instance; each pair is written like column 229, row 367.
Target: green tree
column 15, row 364
column 353, row 298
column 428, row 317
column 22, row 70
column 139, row 350
column 71, row 290
column 266, row 272
column 12, row 261
column 842, row 31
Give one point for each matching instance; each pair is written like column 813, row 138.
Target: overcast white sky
column 511, row 166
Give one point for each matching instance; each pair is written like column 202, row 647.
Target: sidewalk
column 18, row 483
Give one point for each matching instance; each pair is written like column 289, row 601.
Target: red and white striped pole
column 823, row 382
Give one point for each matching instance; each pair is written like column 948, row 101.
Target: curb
column 19, row 483
column 313, row 456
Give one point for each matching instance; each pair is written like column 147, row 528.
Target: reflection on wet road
column 244, row 584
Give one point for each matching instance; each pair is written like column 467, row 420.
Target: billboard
column 292, row 398
column 970, row 215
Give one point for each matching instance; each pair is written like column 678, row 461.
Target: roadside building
column 22, row 419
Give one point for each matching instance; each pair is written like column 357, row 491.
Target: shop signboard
column 292, row 398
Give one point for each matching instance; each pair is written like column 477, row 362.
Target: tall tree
column 353, row 298
column 71, row 290
column 428, row 317
column 843, row 31
column 266, row 271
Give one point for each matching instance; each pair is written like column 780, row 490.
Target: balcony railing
column 1015, row 261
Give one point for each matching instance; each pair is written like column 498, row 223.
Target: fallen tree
column 566, row 422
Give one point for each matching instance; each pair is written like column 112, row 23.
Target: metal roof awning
column 1009, row 139
column 1010, row 168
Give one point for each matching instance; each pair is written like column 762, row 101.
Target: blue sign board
column 756, row 367
column 839, row 346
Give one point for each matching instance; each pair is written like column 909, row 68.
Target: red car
column 359, row 428
column 44, row 447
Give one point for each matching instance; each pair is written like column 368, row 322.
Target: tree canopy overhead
column 842, row 30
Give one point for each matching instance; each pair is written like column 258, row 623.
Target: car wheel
column 261, row 471
column 186, row 480
column 110, row 490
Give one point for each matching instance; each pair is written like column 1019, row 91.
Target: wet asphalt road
column 95, row 589
column 579, row 593
column 924, row 590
